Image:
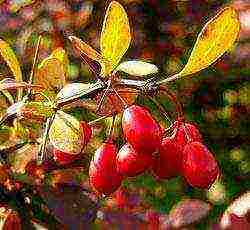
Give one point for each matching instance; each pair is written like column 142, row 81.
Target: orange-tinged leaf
column 115, row 36
column 51, row 74
column 66, row 134
column 10, row 58
column 217, row 37
column 86, row 49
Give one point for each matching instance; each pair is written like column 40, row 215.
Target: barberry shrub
column 46, row 156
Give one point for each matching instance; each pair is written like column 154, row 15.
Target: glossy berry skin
column 65, row 158
column 103, row 175
column 199, row 166
column 141, row 130
column 186, row 132
column 131, row 163
column 168, row 163
column 12, row 222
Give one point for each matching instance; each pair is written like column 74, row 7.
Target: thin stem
column 174, row 99
column 161, row 109
column 97, row 120
column 168, row 79
column 42, row 148
column 103, row 97
column 34, row 62
column 111, row 129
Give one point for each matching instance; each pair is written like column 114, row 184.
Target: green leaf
column 137, row 68
column 217, row 37
column 10, row 58
column 66, row 134
column 115, row 36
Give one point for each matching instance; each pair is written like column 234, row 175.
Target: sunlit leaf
column 137, row 68
column 16, row 5
column 10, row 58
column 61, row 55
column 52, row 71
column 115, row 36
column 66, row 134
column 187, row 212
column 239, row 207
column 217, row 37
column 20, row 158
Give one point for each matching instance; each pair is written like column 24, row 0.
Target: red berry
column 131, row 163
column 186, row 132
column 12, row 222
column 199, row 166
column 169, row 162
column 141, row 130
column 103, row 174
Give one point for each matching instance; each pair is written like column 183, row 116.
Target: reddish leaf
column 188, row 212
column 113, row 103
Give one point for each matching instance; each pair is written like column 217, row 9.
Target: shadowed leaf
column 217, row 37
column 21, row 157
column 115, row 36
column 70, row 205
column 187, row 212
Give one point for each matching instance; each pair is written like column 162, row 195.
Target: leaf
column 17, row 5
column 137, row 68
column 75, row 91
column 187, row 212
column 10, row 58
column 239, row 207
column 52, row 71
column 66, row 134
column 71, row 205
column 217, row 37
column 113, row 103
column 115, row 36
column 86, row 49
column 21, row 157
column 11, row 84
column 61, row 55
column 37, row 110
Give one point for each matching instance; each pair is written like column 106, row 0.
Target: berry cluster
column 148, row 147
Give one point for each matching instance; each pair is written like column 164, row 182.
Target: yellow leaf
column 66, row 133
column 10, row 58
column 61, row 55
column 217, row 37
column 115, row 36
